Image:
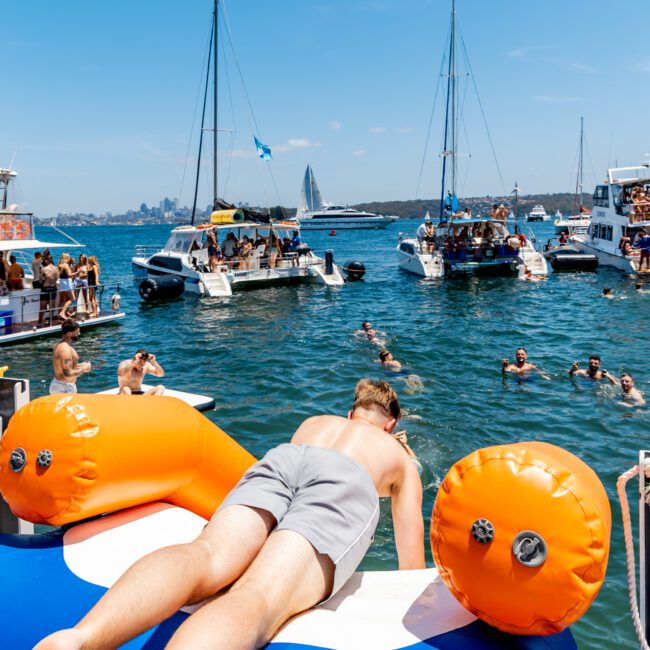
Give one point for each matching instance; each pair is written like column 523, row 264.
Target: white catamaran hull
column 345, row 223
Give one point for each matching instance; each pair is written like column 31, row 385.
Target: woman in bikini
column 93, row 281
column 66, row 277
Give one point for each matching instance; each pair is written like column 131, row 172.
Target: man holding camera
column 131, row 372
column 594, row 370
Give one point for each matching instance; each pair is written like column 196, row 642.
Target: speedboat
column 185, row 255
column 20, row 308
column 314, row 214
column 537, row 214
column 566, row 257
column 617, row 218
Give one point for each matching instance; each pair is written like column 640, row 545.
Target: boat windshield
column 180, row 241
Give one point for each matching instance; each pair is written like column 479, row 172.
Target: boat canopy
column 464, row 221
column 629, row 175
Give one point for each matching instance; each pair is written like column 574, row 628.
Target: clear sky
column 98, row 99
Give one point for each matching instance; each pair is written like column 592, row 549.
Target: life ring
column 21, row 230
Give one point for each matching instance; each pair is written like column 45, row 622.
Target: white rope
column 629, row 551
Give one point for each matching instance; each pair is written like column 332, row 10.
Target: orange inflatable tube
column 520, row 535
column 66, row 458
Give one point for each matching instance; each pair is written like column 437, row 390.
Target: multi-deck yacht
column 621, row 210
column 538, row 213
column 314, row 214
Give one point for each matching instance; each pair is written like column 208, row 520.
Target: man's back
column 366, row 444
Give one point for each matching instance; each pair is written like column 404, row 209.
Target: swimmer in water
column 631, row 396
column 608, row 293
column 389, row 361
column 401, row 437
column 594, row 370
column 521, row 366
column 368, row 330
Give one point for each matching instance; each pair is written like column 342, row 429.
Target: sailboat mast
column 449, row 151
column 580, row 161
column 454, row 99
column 215, row 73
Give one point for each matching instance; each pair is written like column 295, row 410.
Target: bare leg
column 125, row 390
column 177, row 575
column 287, row 577
column 155, row 390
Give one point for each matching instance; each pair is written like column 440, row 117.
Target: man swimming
column 287, row 537
column 594, row 370
column 368, row 330
column 389, row 361
column 131, row 372
column 632, row 396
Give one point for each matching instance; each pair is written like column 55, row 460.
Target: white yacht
column 538, row 214
column 314, row 214
column 186, row 255
column 574, row 224
column 20, row 315
column 615, row 216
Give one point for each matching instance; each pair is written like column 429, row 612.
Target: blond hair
column 370, row 393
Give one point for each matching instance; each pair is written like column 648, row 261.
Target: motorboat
column 20, row 315
column 462, row 243
column 185, row 255
column 620, row 213
column 314, row 214
column 538, row 213
column 574, row 224
column 566, row 257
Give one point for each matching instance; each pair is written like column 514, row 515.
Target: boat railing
column 256, row 262
column 146, row 250
column 639, row 212
column 19, row 310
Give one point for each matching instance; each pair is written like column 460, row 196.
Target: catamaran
column 314, row 214
column 260, row 253
column 463, row 243
column 621, row 211
column 538, row 213
column 20, row 306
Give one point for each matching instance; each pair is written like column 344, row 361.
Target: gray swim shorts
column 57, row 386
column 319, row 493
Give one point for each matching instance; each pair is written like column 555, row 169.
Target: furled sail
column 310, row 198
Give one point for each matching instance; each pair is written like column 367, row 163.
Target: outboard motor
column 163, row 287
column 354, row 270
column 329, row 262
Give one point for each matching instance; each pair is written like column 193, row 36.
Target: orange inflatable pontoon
column 520, row 535
column 66, row 458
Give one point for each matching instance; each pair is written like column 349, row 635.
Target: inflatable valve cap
column 44, row 458
column 483, row 531
column 17, row 459
column 530, row 548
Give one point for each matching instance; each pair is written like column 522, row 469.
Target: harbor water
column 273, row 357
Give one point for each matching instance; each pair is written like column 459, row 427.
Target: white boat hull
column 629, row 265
column 344, row 223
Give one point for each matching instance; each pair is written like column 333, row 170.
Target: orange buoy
column 66, row 458
column 520, row 535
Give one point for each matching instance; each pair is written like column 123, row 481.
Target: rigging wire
column 196, row 108
column 433, row 108
column 478, row 97
column 224, row 13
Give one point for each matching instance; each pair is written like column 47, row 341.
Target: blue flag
column 263, row 150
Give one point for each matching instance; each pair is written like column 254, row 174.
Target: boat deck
column 22, row 331
column 199, row 402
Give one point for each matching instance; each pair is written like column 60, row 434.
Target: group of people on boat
column 638, row 247
column 630, row 395
column 11, row 274
column 63, row 284
column 239, row 253
column 639, row 197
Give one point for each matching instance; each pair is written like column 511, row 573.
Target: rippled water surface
column 273, row 357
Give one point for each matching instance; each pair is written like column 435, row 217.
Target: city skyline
column 105, row 100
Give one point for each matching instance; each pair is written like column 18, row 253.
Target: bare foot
column 72, row 639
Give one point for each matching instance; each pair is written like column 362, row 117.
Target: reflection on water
column 271, row 358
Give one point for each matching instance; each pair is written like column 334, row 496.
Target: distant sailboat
column 314, row 214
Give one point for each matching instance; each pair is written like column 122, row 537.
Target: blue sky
column 98, row 98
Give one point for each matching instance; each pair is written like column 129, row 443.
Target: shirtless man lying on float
column 286, row 538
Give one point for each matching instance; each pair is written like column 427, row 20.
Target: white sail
column 310, row 198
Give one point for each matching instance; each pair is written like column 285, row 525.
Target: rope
column 629, row 552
